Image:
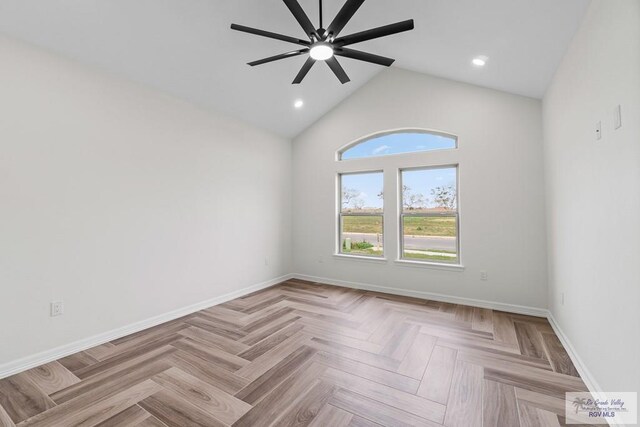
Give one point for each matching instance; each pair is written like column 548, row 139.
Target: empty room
column 319, row 213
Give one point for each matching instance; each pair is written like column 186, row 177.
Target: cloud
column 381, row 149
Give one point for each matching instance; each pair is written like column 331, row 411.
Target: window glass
column 361, row 214
column 399, row 143
column 429, row 220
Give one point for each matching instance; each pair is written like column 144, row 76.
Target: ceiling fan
column 324, row 44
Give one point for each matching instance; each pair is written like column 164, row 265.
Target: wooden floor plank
column 436, row 381
column 375, row 411
column 22, row 399
column 558, row 356
column 134, row 415
column 331, row 416
column 464, row 406
column 219, row 404
column 279, row 399
column 174, row 411
column 417, row 358
column 260, row 387
column 308, row 407
column 73, row 414
column 404, row 401
column 500, row 406
column 382, row 376
column 529, row 340
column 52, row 377
column 5, row 419
column 208, row 372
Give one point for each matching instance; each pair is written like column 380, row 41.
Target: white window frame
column 402, row 215
column 391, row 166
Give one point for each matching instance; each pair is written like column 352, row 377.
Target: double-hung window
column 361, row 214
column 429, row 214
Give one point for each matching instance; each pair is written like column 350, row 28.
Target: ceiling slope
column 185, row 47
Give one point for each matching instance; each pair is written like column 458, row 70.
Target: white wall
column 124, row 202
column 501, row 187
column 593, row 193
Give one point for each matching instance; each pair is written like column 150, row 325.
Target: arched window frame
column 392, row 166
column 377, row 135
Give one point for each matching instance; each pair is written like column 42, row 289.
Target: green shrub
column 358, row 245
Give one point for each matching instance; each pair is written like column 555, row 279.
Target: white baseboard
column 25, row 363
column 585, row 374
column 511, row 308
column 29, row 362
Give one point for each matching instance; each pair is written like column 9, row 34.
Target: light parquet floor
column 302, row 353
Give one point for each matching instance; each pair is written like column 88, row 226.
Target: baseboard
column 17, row 366
column 29, row 362
column 585, row 374
column 511, row 308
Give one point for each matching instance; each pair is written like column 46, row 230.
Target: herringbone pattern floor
column 309, row 354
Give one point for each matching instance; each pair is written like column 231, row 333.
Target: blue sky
column 424, row 180
column 368, row 185
column 398, row 143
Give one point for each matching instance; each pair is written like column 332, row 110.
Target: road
column 410, row 242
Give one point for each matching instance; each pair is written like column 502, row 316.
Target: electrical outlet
column 598, row 131
column 266, row 261
column 57, row 308
column 320, row 259
column 484, row 276
column 562, row 298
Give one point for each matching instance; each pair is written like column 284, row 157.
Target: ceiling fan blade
column 301, row 17
column 304, row 70
column 345, row 14
column 337, row 70
column 364, row 56
column 278, row 57
column 269, row 34
column 374, row 33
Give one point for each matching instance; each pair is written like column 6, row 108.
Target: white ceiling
column 185, row 47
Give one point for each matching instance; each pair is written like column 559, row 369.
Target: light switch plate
column 617, row 117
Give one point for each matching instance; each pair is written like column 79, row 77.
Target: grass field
column 429, row 257
column 413, row 226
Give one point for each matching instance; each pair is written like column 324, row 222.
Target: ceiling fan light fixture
column 326, row 44
column 321, row 51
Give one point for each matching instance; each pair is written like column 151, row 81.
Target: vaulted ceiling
column 185, row 47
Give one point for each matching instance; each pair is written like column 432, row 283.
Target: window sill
column 432, row 265
column 361, row 258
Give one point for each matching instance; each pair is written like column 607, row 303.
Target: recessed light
column 299, row 103
column 480, row 61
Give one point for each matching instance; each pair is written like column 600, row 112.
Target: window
column 429, row 215
column 361, row 214
column 422, row 188
column 399, row 143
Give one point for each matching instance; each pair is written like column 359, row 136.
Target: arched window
column 420, row 190
column 398, row 142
